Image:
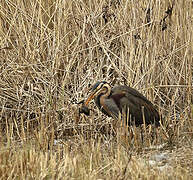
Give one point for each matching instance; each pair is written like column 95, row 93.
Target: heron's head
column 99, row 88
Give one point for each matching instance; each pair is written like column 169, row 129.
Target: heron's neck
column 106, row 94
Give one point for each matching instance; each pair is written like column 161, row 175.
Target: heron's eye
column 96, row 86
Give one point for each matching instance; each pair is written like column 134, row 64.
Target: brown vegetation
column 52, row 51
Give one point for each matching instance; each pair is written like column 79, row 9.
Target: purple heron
column 122, row 101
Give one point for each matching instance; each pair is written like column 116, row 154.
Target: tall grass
column 52, row 52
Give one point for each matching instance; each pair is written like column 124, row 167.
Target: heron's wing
column 111, row 108
column 131, row 100
column 128, row 91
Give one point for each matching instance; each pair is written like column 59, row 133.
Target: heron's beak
column 92, row 96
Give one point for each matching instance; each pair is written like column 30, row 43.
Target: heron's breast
column 104, row 106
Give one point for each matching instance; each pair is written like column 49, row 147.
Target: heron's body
column 124, row 102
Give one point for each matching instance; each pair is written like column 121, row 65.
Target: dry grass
column 52, row 51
